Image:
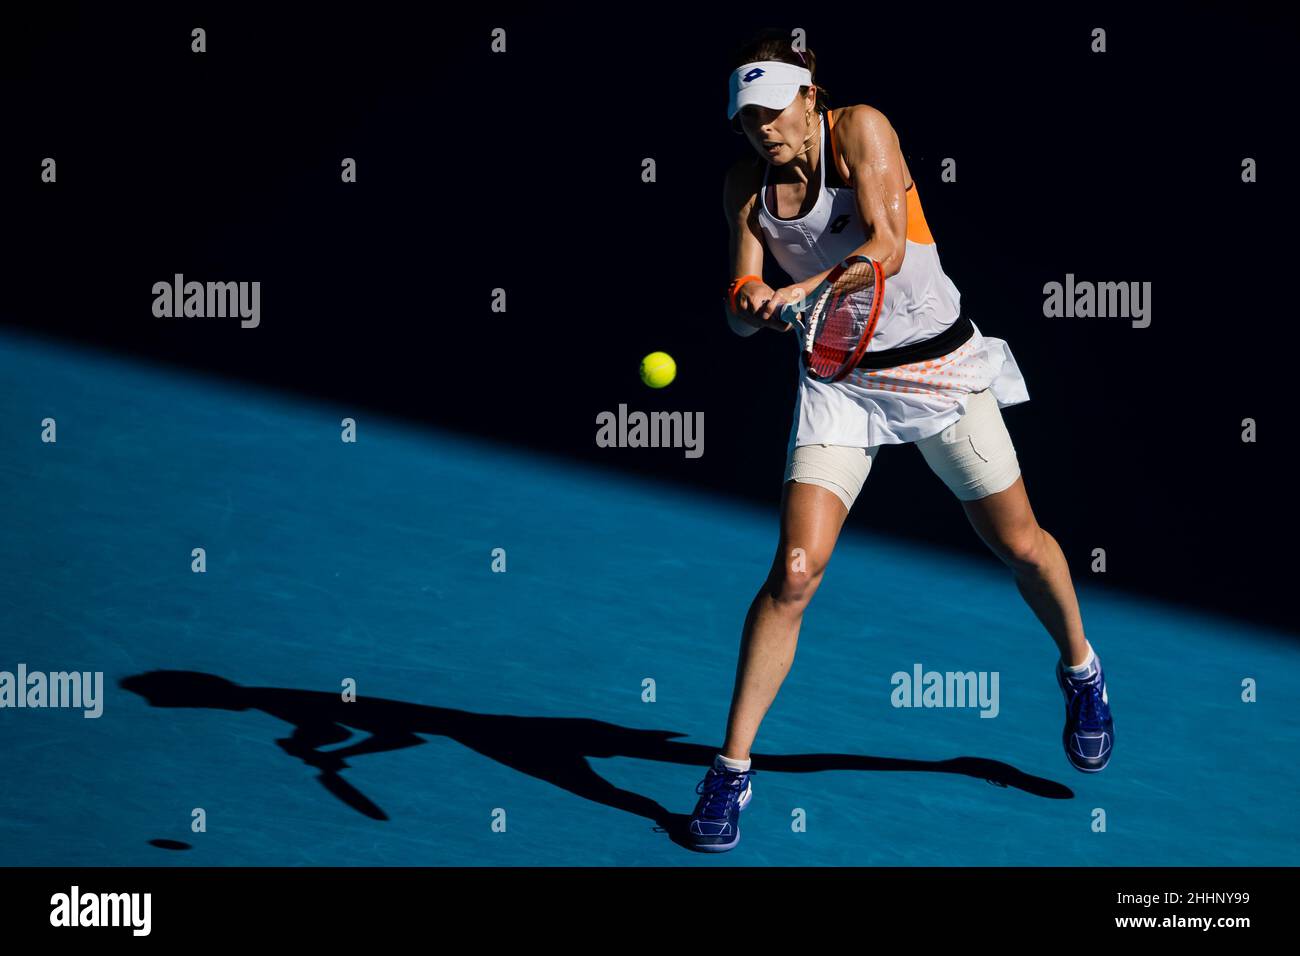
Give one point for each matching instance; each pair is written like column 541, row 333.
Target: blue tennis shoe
column 715, row 824
column 1089, row 735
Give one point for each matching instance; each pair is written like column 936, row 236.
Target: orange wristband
column 736, row 285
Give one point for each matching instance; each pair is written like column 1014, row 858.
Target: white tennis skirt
column 906, row 403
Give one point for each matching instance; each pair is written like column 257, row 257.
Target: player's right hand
column 754, row 306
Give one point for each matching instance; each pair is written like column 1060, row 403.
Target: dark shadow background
column 553, row 749
column 522, row 171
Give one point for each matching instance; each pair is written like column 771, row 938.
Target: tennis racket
column 839, row 317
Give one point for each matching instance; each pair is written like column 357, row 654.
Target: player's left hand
column 782, row 297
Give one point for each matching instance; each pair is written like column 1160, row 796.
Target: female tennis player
column 828, row 184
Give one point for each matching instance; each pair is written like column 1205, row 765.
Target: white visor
column 770, row 83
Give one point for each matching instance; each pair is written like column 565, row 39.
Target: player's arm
column 869, row 145
column 745, row 252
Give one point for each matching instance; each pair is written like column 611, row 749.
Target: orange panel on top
column 918, row 230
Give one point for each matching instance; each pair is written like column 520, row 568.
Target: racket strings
column 845, row 318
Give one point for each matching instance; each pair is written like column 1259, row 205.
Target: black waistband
column 954, row 336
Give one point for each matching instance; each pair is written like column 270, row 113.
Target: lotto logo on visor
column 769, row 83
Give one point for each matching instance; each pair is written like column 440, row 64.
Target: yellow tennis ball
column 658, row 369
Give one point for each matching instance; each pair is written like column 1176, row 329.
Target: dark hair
column 774, row 43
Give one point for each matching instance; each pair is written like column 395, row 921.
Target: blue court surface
column 518, row 696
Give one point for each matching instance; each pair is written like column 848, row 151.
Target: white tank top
column 907, row 402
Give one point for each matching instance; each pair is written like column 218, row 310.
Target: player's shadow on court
column 554, row 749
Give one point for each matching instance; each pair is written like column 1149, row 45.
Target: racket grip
column 737, row 324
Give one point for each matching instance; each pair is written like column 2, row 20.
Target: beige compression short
column 974, row 457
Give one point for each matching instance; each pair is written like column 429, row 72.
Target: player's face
column 778, row 135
